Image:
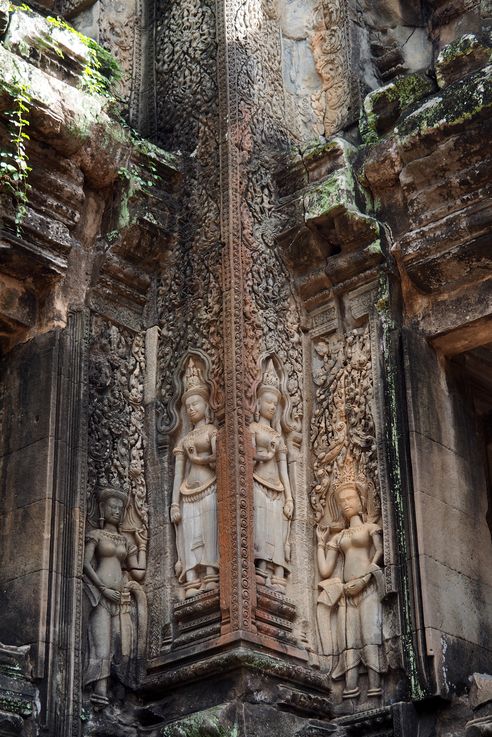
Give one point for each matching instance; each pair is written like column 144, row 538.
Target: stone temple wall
column 246, row 368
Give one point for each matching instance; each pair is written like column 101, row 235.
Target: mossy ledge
column 206, row 723
column 382, row 108
column 461, row 102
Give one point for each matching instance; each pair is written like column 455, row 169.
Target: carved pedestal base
column 241, row 691
column 198, row 618
column 275, row 615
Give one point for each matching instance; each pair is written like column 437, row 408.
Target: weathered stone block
column 459, row 58
column 443, row 473
column 383, row 107
column 26, row 475
column 455, row 604
column 18, row 696
column 480, row 690
column 27, row 416
column 469, row 553
column 24, row 622
column 17, row 304
column 25, row 539
column 466, row 100
column 61, row 52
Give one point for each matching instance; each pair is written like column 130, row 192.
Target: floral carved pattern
column 331, row 48
column 271, row 314
column 189, row 291
column 342, row 424
column 116, row 420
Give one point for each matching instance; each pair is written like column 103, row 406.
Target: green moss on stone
column 155, row 153
column 99, row 71
column 204, row 724
column 398, row 95
column 459, row 48
column 455, row 105
column 392, row 429
column 84, row 110
column 334, row 192
column 13, row 704
column 460, row 54
column 375, row 247
column 12, row 670
column 321, row 149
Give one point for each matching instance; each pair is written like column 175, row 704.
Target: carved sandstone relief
column 271, row 313
column 120, row 28
column 273, row 500
column 262, row 313
column 343, row 417
column 330, row 43
column 352, row 586
column 117, row 528
column 113, row 570
column 316, row 65
column 189, row 289
column 189, row 286
column 346, row 502
column 189, row 306
column 116, row 421
column 194, row 500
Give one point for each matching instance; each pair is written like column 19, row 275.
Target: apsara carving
column 117, row 514
column 194, row 501
column 345, row 498
column 273, row 500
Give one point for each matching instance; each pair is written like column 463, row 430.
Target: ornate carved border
column 238, row 470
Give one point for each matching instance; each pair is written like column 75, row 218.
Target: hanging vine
column 14, row 160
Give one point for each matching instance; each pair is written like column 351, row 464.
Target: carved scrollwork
column 331, row 49
column 116, row 421
column 342, row 422
column 189, row 292
column 271, row 313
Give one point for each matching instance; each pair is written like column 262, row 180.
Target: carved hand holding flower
column 322, row 534
column 262, row 454
column 289, row 509
column 175, row 514
column 198, row 460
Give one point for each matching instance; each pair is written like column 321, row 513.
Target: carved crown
column 108, row 492
column 270, row 381
column 194, row 382
column 347, row 476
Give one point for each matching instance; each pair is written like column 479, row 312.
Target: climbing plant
column 14, row 160
column 102, row 70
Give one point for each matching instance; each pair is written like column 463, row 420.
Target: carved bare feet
column 211, row 580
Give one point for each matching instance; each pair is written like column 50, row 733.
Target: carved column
column 261, row 315
column 238, row 515
column 225, row 296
